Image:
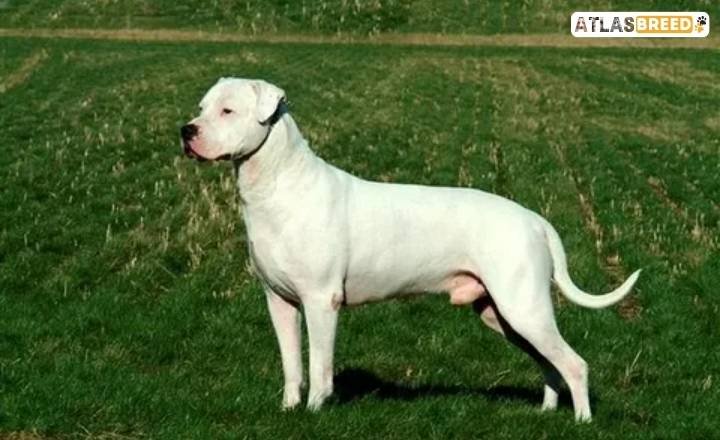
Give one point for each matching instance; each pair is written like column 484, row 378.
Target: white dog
column 321, row 238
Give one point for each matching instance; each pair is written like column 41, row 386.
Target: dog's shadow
column 354, row 383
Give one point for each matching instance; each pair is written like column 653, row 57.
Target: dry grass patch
column 680, row 73
column 713, row 122
column 664, row 130
column 405, row 39
column 28, row 66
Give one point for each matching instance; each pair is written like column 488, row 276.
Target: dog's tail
column 566, row 285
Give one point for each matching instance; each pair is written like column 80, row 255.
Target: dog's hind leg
column 487, row 310
column 523, row 303
column 485, row 307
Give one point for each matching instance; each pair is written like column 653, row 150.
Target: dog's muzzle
column 188, row 133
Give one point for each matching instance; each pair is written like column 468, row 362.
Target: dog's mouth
column 192, row 154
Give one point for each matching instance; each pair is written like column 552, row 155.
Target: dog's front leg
column 286, row 320
column 321, row 317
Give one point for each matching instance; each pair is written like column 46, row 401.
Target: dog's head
column 235, row 119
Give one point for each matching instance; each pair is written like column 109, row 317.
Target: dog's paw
column 291, row 399
column 583, row 417
column 290, row 405
column 316, row 400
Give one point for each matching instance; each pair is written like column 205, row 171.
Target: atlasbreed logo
column 640, row 24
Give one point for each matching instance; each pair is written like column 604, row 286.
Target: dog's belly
column 372, row 288
column 403, row 269
column 409, row 239
column 463, row 288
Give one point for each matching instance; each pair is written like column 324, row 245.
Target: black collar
column 279, row 112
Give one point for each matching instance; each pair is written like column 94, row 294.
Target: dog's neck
column 283, row 154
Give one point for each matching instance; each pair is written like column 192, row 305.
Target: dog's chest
column 276, row 267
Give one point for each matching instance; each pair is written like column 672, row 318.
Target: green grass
column 325, row 16
column 127, row 308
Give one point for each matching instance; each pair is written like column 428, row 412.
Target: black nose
column 188, row 131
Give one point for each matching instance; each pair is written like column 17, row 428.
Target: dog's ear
column 268, row 99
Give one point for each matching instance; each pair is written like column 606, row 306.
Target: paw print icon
column 700, row 23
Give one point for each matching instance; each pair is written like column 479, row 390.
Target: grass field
column 326, row 16
column 127, row 309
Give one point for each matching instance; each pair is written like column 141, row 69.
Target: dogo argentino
column 320, row 238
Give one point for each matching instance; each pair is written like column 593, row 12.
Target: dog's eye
column 227, row 111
